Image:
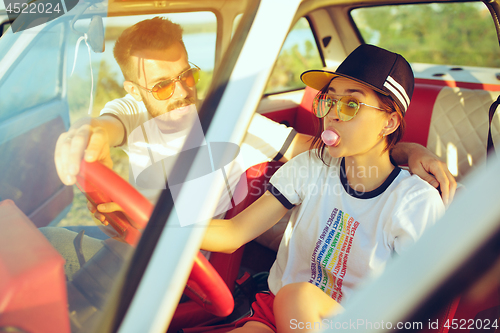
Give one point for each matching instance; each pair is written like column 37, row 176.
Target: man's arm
column 427, row 166
column 88, row 138
column 420, row 160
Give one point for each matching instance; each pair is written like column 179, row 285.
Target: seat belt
column 490, row 147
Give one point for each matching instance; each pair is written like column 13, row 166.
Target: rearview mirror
column 95, row 34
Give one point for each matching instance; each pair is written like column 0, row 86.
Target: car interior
column 448, row 115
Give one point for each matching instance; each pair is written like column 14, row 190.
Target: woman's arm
column 229, row 235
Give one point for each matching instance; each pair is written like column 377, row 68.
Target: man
column 160, row 83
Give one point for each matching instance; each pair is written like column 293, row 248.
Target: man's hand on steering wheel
column 99, row 212
column 111, row 192
column 108, row 207
column 80, row 142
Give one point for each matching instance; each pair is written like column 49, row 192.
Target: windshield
column 63, row 84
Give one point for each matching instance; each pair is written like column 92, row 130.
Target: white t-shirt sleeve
column 128, row 111
column 265, row 141
column 293, row 180
column 419, row 210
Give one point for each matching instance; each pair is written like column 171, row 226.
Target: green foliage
column 454, row 34
column 107, row 88
column 204, row 84
column 79, row 213
column 291, row 63
column 78, row 96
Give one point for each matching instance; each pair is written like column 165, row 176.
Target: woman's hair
column 386, row 103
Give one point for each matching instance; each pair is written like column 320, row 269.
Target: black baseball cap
column 383, row 71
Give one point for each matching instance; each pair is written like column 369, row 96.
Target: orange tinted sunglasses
column 165, row 89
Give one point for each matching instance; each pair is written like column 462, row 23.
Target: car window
column 199, row 36
column 50, row 68
column 30, row 84
column 299, row 53
column 448, row 33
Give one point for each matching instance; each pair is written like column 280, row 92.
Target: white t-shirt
column 337, row 237
column 150, row 150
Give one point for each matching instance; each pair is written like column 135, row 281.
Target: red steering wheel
column 101, row 184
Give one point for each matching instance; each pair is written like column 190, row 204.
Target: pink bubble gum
column 330, row 138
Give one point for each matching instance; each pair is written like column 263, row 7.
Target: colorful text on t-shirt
column 330, row 255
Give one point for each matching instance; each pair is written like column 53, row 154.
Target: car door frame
column 47, row 121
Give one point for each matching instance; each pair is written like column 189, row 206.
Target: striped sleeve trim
column 281, row 198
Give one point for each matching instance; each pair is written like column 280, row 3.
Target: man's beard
column 181, row 103
column 177, row 116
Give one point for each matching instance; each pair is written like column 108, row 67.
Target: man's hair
column 155, row 34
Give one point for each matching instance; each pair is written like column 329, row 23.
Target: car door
column 33, row 112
